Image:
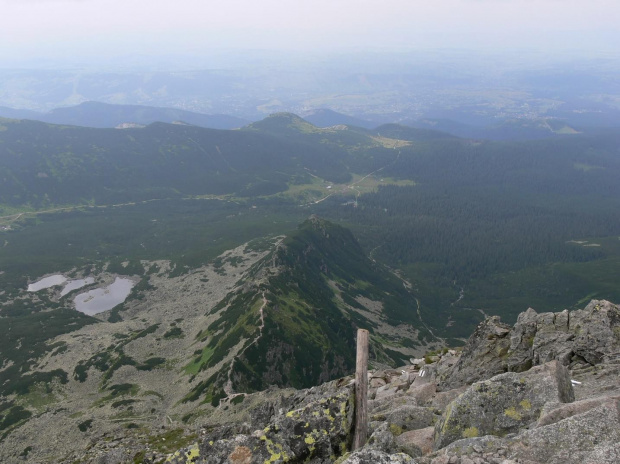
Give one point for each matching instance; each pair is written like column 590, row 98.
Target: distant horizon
column 64, row 32
column 235, row 58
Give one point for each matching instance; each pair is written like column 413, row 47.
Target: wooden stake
column 361, row 390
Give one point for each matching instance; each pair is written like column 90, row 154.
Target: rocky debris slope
column 487, row 405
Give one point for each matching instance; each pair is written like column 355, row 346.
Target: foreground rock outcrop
column 504, row 404
column 544, row 391
column 576, row 338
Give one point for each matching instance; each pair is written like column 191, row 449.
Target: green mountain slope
column 299, row 310
column 105, row 115
column 43, row 165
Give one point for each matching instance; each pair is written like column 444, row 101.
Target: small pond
column 47, row 282
column 58, row 279
column 102, row 299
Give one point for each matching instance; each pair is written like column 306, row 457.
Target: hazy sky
column 50, row 28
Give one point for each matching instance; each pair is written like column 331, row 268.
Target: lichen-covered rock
column 597, row 331
column 115, row 456
column 503, row 404
column 404, row 418
column 574, row 440
column 587, row 335
column 584, row 337
column 483, row 356
column 319, row 433
column 372, row 456
column 442, row 399
column 382, row 439
column 560, row 411
column 391, row 389
column 387, row 404
column 417, row 442
column 422, row 393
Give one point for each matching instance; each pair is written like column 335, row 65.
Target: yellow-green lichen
column 448, row 413
column 512, row 413
column 471, row 432
column 396, row 430
column 274, row 457
column 526, row 405
column 192, row 453
column 275, row 450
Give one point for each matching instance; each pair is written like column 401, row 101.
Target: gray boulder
column 555, row 412
column 483, row 355
column 504, row 404
column 422, row 393
column 317, row 433
column 578, row 338
column 591, row 437
column 404, row 418
column 382, row 439
column 417, row 442
column 372, row 456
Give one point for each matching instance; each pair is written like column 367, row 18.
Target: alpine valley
column 253, row 255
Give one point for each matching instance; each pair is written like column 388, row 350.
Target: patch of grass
column 171, row 440
column 238, row 399
column 194, row 367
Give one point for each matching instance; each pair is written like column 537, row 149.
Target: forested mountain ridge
column 105, row 115
column 42, row 164
column 455, row 212
column 307, row 297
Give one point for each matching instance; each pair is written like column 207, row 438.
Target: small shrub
column 84, row 426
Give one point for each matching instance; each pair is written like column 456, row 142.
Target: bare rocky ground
column 184, row 303
column 454, row 410
column 124, row 412
column 560, row 403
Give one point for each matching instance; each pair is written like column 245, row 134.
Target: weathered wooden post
column 361, row 390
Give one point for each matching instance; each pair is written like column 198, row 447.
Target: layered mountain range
column 254, row 255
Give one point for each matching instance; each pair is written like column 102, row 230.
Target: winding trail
column 228, row 388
